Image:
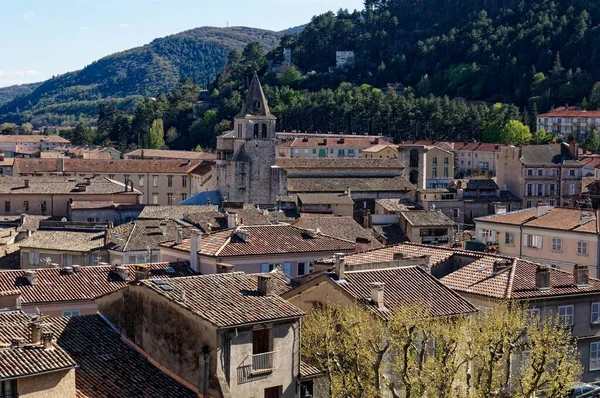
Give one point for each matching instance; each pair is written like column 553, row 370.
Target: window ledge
column 261, row 372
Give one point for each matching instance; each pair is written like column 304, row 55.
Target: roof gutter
column 278, row 320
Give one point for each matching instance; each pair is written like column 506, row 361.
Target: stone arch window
column 256, row 131
column 413, row 177
column 264, row 130
column 414, row 158
column 257, row 105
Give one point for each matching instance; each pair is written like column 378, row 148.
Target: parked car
column 583, row 390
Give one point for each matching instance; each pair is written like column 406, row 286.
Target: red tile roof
column 117, row 166
column 560, row 218
column 33, row 139
column 572, row 111
column 335, row 142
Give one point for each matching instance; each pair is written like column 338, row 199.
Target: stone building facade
column 245, row 154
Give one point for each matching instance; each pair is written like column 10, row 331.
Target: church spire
column 256, row 103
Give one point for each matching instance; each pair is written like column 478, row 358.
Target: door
column 273, row 392
column 260, row 341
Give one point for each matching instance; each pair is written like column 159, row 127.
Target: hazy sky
column 41, row 38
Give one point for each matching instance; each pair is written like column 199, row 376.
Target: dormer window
column 258, row 105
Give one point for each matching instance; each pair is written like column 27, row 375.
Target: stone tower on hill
column 245, row 154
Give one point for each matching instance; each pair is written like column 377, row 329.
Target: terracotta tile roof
column 514, row 282
column 226, row 300
column 265, row 239
column 393, row 204
column 33, row 139
column 250, row 216
column 339, row 227
column 29, row 360
column 489, row 147
column 95, row 204
column 171, row 154
column 54, row 285
column 308, row 371
column 471, row 146
column 145, row 234
column 356, row 184
column 338, row 163
column 381, row 147
column 325, row 198
column 427, row 218
column 404, row 286
column 488, row 184
column 336, row 142
column 174, row 212
column 560, row 218
column 117, row 166
column 109, row 367
column 572, row 111
column 65, row 240
column 61, row 185
column 215, row 219
column 281, row 282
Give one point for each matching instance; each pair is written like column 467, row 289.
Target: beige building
column 381, row 151
column 328, row 146
column 81, row 152
column 427, row 227
column 560, row 237
column 162, row 182
column 548, row 174
column 564, row 121
column 477, row 159
column 155, row 154
column 246, row 339
column 428, row 166
column 29, row 145
column 338, row 204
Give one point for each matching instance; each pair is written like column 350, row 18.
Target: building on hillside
column 32, row 364
column 572, row 297
column 81, row 152
column 565, row 121
column 161, row 182
column 245, row 154
column 343, row 227
column 137, row 242
column 246, row 338
column 327, row 146
column 260, row 248
column 427, row 227
column 29, row 145
column 338, row 204
column 73, row 291
column 476, row 159
column 156, row 154
column 548, row 174
column 560, row 237
column 381, row 151
column 53, row 196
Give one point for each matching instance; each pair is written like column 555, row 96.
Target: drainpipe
column 520, row 240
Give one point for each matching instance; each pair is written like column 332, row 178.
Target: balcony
column 263, row 363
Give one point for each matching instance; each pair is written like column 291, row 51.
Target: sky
column 43, row 38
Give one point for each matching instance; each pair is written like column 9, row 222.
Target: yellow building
column 381, row 151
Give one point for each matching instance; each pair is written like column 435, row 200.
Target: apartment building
column 564, row 121
column 541, row 173
column 477, row 159
column 81, row 152
column 29, row 145
column 228, row 335
column 161, row 182
column 560, row 237
column 156, row 154
column 381, row 151
column 334, row 146
column 427, row 227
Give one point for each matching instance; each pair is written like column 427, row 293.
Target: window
column 7, row 206
column 141, row 180
column 532, row 241
column 169, row 181
column 301, row 269
column 529, row 172
column 183, row 196
column 595, row 355
column 556, row 244
column 434, row 172
column 487, row 235
column 528, row 204
column 154, row 198
column 540, row 189
column 34, row 258
column 533, row 312
column 261, row 341
column 322, row 153
column 67, row 260
column 582, row 248
column 169, row 198
column 256, row 131
column 571, row 189
column 184, row 181
column 445, row 160
column 341, row 153
column 239, row 131
column 572, row 173
column 434, row 160
column 456, row 213
column 350, row 152
column 126, row 179
column 111, row 176
column 25, row 205
column 71, row 313
column 154, row 181
column 540, row 172
column 264, row 131
column 566, row 315
column 509, row 238
column 529, row 190
column 595, row 318
column 8, row 389
column 266, row 267
column 446, row 172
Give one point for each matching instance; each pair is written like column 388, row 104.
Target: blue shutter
column 264, row 267
column 287, row 269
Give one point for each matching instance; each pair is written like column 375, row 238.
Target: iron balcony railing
column 263, row 362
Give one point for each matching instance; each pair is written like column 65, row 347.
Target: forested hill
column 520, row 51
column 149, row 70
column 9, row 93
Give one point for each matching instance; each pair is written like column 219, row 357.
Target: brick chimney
column 35, row 329
column 340, row 265
column 265, row 285
column 377, row 290
column 195, row 247
column 542, row 277
column 581, row 274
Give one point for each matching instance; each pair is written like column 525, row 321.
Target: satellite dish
column 64, row 219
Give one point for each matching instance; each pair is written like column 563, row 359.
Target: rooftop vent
column 31, row 277
column 242, row 234
column 542, row 277
column 265, row 285
column 377, row 290
column 68, row 270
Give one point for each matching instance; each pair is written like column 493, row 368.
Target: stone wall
column 50, row 385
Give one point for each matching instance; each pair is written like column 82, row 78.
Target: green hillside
column 149, row 70
column 9, row 93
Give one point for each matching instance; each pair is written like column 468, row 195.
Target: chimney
column 17, row 342
column 76, row 268
column 242, row 234
column 163, row 227
column 265, row 285
column 195, row 247
column 377, row 289
column 541, row 210
column 26, row 183
column 542, row 277
column 223, row 268
column 35, row 329
column 82, row 187
column 123, row 272
column 179, row 235
column 581, row 275
column 573, row 148
column 142, row 272
column 501, row 265
column 47, row 339
column 60, row 165
column 340, row 265
column 31, row 276
column 232, row 220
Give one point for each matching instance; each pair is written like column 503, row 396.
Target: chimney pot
column 36, row 332
column 581, row 275
column 26, row 182
column 232, row 220
column 47, row 339
column 377, row 290
column 123, row 272
column 195, row 247
column 179, row 235
column 265, row 285
column 501, row 265
column 542, row 277
column 31, row 276
column 17, row 342
column 340, row 265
